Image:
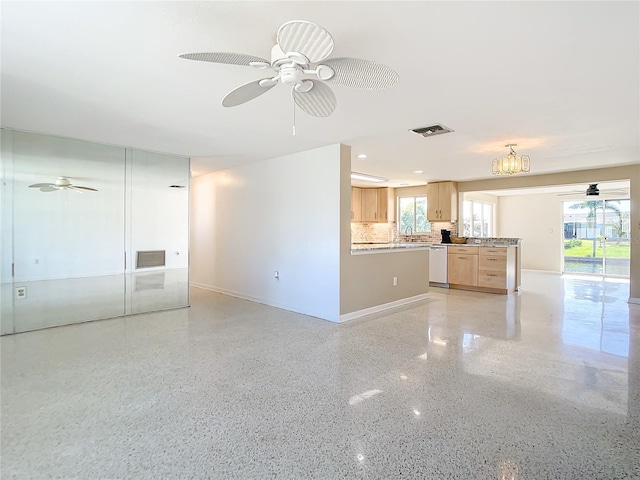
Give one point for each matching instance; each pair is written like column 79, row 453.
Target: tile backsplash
column 386, row 232
column 372, row 232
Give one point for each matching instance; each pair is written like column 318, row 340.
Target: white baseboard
column 532, row 270
column 634, row 300
column 383, row 307
column 231, row 293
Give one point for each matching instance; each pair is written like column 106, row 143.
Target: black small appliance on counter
column 446, row 236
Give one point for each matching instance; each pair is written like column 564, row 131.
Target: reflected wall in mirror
column 71, row 251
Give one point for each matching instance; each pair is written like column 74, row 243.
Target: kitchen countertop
column 359, row 249
column 489, row 245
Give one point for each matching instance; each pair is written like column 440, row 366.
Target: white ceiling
column 560, row 79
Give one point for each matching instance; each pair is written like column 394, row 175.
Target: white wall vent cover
column 150, row 258
column 431, row 131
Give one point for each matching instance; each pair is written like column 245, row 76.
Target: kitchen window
column 412, row 215
column 477, row 218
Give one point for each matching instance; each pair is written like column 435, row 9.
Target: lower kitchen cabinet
column 463, row 265
column 485, row 269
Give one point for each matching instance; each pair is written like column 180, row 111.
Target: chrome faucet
column 408, row 230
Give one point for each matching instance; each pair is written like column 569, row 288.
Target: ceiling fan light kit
column 512, row 164
column 295, row 61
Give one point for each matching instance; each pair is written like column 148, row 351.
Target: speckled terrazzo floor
column 542, row 385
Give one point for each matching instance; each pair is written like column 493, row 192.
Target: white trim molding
column 383, row 307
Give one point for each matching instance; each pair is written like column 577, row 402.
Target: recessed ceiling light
column 362, row 155
column 368, row 178
column 418, row 171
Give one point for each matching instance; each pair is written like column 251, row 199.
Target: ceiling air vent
column 431, row 131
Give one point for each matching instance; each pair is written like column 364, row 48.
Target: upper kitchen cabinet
column 442, row 202
column 372, row 205
column 369, row 205
column 356, row 204
column 386, row 205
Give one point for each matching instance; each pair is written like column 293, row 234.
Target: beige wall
column 630, row 172
column 369, row 279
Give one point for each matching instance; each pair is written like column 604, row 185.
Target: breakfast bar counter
column 368, row 248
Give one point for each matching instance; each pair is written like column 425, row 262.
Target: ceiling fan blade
column 78, row 187
column 357, row 73
column 41, row 185
column 307, row 38
column 224, row 57
column 245, row 92
column 49, row 188
column 320, row 101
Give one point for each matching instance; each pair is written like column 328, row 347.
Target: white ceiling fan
column 593, row 191
column 299, row 60
column 62, row 183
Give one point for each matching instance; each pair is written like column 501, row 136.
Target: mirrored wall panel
column 80, row 223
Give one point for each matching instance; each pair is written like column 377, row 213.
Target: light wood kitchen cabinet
column 386, row 205
column 369, row 204
column 497, row 268
column 372, row 205
column 442, row 202
column 462, row 266
column 485, row 269
column 356, row 204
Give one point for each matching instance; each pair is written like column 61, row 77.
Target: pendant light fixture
column 512, row 164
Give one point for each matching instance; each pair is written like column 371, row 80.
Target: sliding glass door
column 596, row 237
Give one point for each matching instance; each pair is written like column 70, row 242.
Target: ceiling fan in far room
column 299, row 60
column 593, row 191
column 62, row 183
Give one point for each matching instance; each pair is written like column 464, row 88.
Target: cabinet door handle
column 463, row 258
column 492, row 259
column 492, row 274
column 375, row 215
column 352, row 216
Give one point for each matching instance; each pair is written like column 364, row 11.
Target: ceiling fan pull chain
column 294, row 113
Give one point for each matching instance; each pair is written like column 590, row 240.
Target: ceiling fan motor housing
column 291, row 74
column 62, row 182
column 593, row 190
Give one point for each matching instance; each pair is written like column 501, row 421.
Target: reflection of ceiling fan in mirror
column 594, row 191
column 62, row 183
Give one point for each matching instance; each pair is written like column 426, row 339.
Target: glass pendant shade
column 512, row 164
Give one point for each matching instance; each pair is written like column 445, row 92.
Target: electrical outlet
column 276, row 275
column 21, row 292
column 395, row 281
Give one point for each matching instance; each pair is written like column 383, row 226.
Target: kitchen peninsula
column 379, row 276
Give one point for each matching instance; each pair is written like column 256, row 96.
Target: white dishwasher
column 438, row 265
